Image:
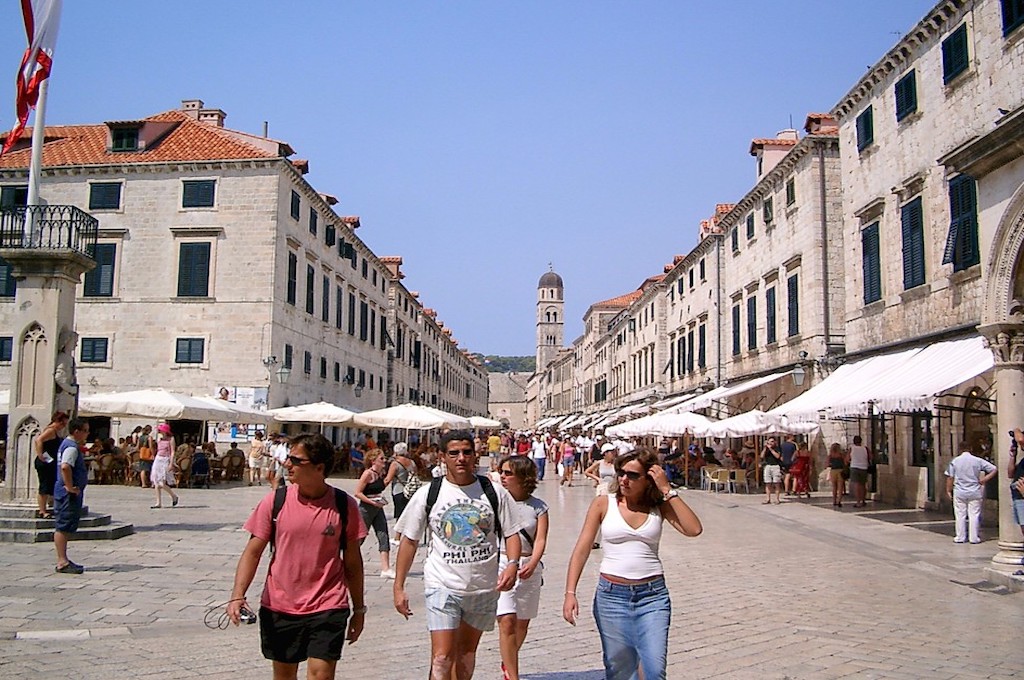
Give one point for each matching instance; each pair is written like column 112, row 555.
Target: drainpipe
column 826, row 314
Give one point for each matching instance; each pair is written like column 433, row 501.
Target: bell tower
column 550, row 318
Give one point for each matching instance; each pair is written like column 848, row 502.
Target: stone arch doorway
column 1002, row 325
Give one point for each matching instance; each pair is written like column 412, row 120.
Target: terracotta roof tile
column 188, row 140
column 774, row 141
column 620, row 301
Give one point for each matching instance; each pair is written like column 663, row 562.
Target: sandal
column 44, row 515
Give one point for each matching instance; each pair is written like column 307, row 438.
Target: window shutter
column 689, row 352
column 105, row 196
column 194, row 270
column 1013, row 15
column 13, row 196
column 871, row 266
column 735, row 329
column 197, row 193
column 906, row 95
column 793, row 303
column 962, row 241
column 865, row 129
column 293, row 278
column 8, row 286
column 955, row 57
column 701, row 343
column 912, row 221
column 769, row 303
column 751, row 323
column 100, row 281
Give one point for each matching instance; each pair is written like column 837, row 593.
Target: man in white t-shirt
column 460, row 573
column 539, row 453
column 279, row 452
column 966, row 477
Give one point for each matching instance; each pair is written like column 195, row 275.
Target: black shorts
column 67, row 511
column 292, row 638
column 47, row 473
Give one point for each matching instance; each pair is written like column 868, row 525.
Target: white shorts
column 773, row 474
column 254, row 463
column 524, row 598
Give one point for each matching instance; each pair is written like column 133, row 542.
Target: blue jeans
column 633, row 622
column 540, row 463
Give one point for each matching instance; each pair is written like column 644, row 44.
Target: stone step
column 110, row 531
column 32, row 523
column 26, row 511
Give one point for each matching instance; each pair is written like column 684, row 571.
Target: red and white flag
column 42, row 19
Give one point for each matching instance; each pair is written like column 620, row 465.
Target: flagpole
column 38, row 135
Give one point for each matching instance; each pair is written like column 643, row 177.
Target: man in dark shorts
column 68, row 493
column 788, row 450
column 314, row 586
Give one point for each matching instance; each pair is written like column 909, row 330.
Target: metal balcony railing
column 48, row 227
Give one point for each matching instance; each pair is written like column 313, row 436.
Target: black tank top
column 374, row 488
column 51, row 446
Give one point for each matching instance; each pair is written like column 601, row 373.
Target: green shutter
column 1013, row 15
column 955, row 56
column 769, row 304
column 962, row 240
column 906, row 95
column 197, row 193
column 194, row 270
column 865, row 129
column 8, row 286
column 735, row 329
column 105, row 196
column 751, row 323
column 793, row 301
column 100, row 281
column 871, row 265
column 912, row 222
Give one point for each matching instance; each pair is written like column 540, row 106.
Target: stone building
column 219, row 264
column 508, row 398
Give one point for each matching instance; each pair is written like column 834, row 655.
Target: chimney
column 192, row 107
column 394, row 266
column 214, row 117
column 770, row 151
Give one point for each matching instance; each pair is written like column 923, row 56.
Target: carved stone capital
column 1006, row 340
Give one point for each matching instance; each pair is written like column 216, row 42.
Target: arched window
column 554, row 316
column 547, row 316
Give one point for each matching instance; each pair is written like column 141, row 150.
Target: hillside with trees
column 497, row 364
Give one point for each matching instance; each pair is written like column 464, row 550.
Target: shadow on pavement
column 142, row 528
column 566, row 675
column 121, row 568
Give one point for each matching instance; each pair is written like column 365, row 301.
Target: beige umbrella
column 410, row 417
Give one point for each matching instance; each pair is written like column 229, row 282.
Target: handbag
column 412, row 484
column 145, row 453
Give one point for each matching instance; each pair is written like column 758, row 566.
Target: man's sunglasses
column 460, row 452
column 630, row 475
column 295, row 460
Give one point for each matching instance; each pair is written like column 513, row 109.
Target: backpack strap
column 485, row 484
column 340, row 502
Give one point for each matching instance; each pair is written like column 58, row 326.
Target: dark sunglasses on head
column 460, row 452
column 295, row 460
column 630, row 475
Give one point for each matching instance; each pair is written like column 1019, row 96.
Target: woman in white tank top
column 632, row 606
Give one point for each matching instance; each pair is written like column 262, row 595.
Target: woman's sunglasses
column 631, row 475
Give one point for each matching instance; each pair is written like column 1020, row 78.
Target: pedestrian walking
column 836, row 469
column 568, row 461
column 539, row 454
column 257, row 453
column 403, row 472
column 518, row 606
column 466, row 515
column 163, row 475
column 69, row 492
column 859, row 461
column 632, row 607
column 314, row 588
column 370, row 494
column 772, row 472
column 147, row 452
column 966, row 477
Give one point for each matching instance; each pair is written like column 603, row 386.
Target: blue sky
column 483, row 140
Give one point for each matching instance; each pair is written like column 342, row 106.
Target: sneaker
column 959, row 540
column 174, row 503
column 70, row 568
column 387, row 573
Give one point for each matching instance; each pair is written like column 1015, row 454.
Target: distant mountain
column 496, row 364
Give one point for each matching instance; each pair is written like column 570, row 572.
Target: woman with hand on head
column 370, row 494
column 518, row 606
column 46, row 445
column 632, row 606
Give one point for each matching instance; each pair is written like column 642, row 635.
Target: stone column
column 42, row 370
column 1006, row 340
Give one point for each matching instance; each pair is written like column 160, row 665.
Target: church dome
column 550, row 280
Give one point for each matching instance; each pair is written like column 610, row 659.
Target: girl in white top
column 518, row 606
column 603, row 471
column 632, row 606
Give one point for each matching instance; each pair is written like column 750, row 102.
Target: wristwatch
column 670, row 495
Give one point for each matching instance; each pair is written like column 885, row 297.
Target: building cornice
column 932, row 27
column 765, row 187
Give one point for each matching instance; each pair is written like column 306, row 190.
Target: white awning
column 909, row 380
column 754, row 422
column 720, row 393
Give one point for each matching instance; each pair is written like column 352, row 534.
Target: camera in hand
column 246, row 616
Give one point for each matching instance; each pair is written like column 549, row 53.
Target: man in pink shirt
column 314, row 587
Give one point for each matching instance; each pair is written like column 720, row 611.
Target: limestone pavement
column 797, row 590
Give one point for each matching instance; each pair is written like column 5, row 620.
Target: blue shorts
column 1018, row 511
column 447, row 610
column 67, row 511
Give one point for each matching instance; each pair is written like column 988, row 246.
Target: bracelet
column 361, row 610
column 570, row 592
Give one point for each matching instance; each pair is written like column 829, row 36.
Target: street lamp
column 799, row 373
column 283, row 374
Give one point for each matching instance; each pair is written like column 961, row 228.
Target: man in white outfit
column 965, row 484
